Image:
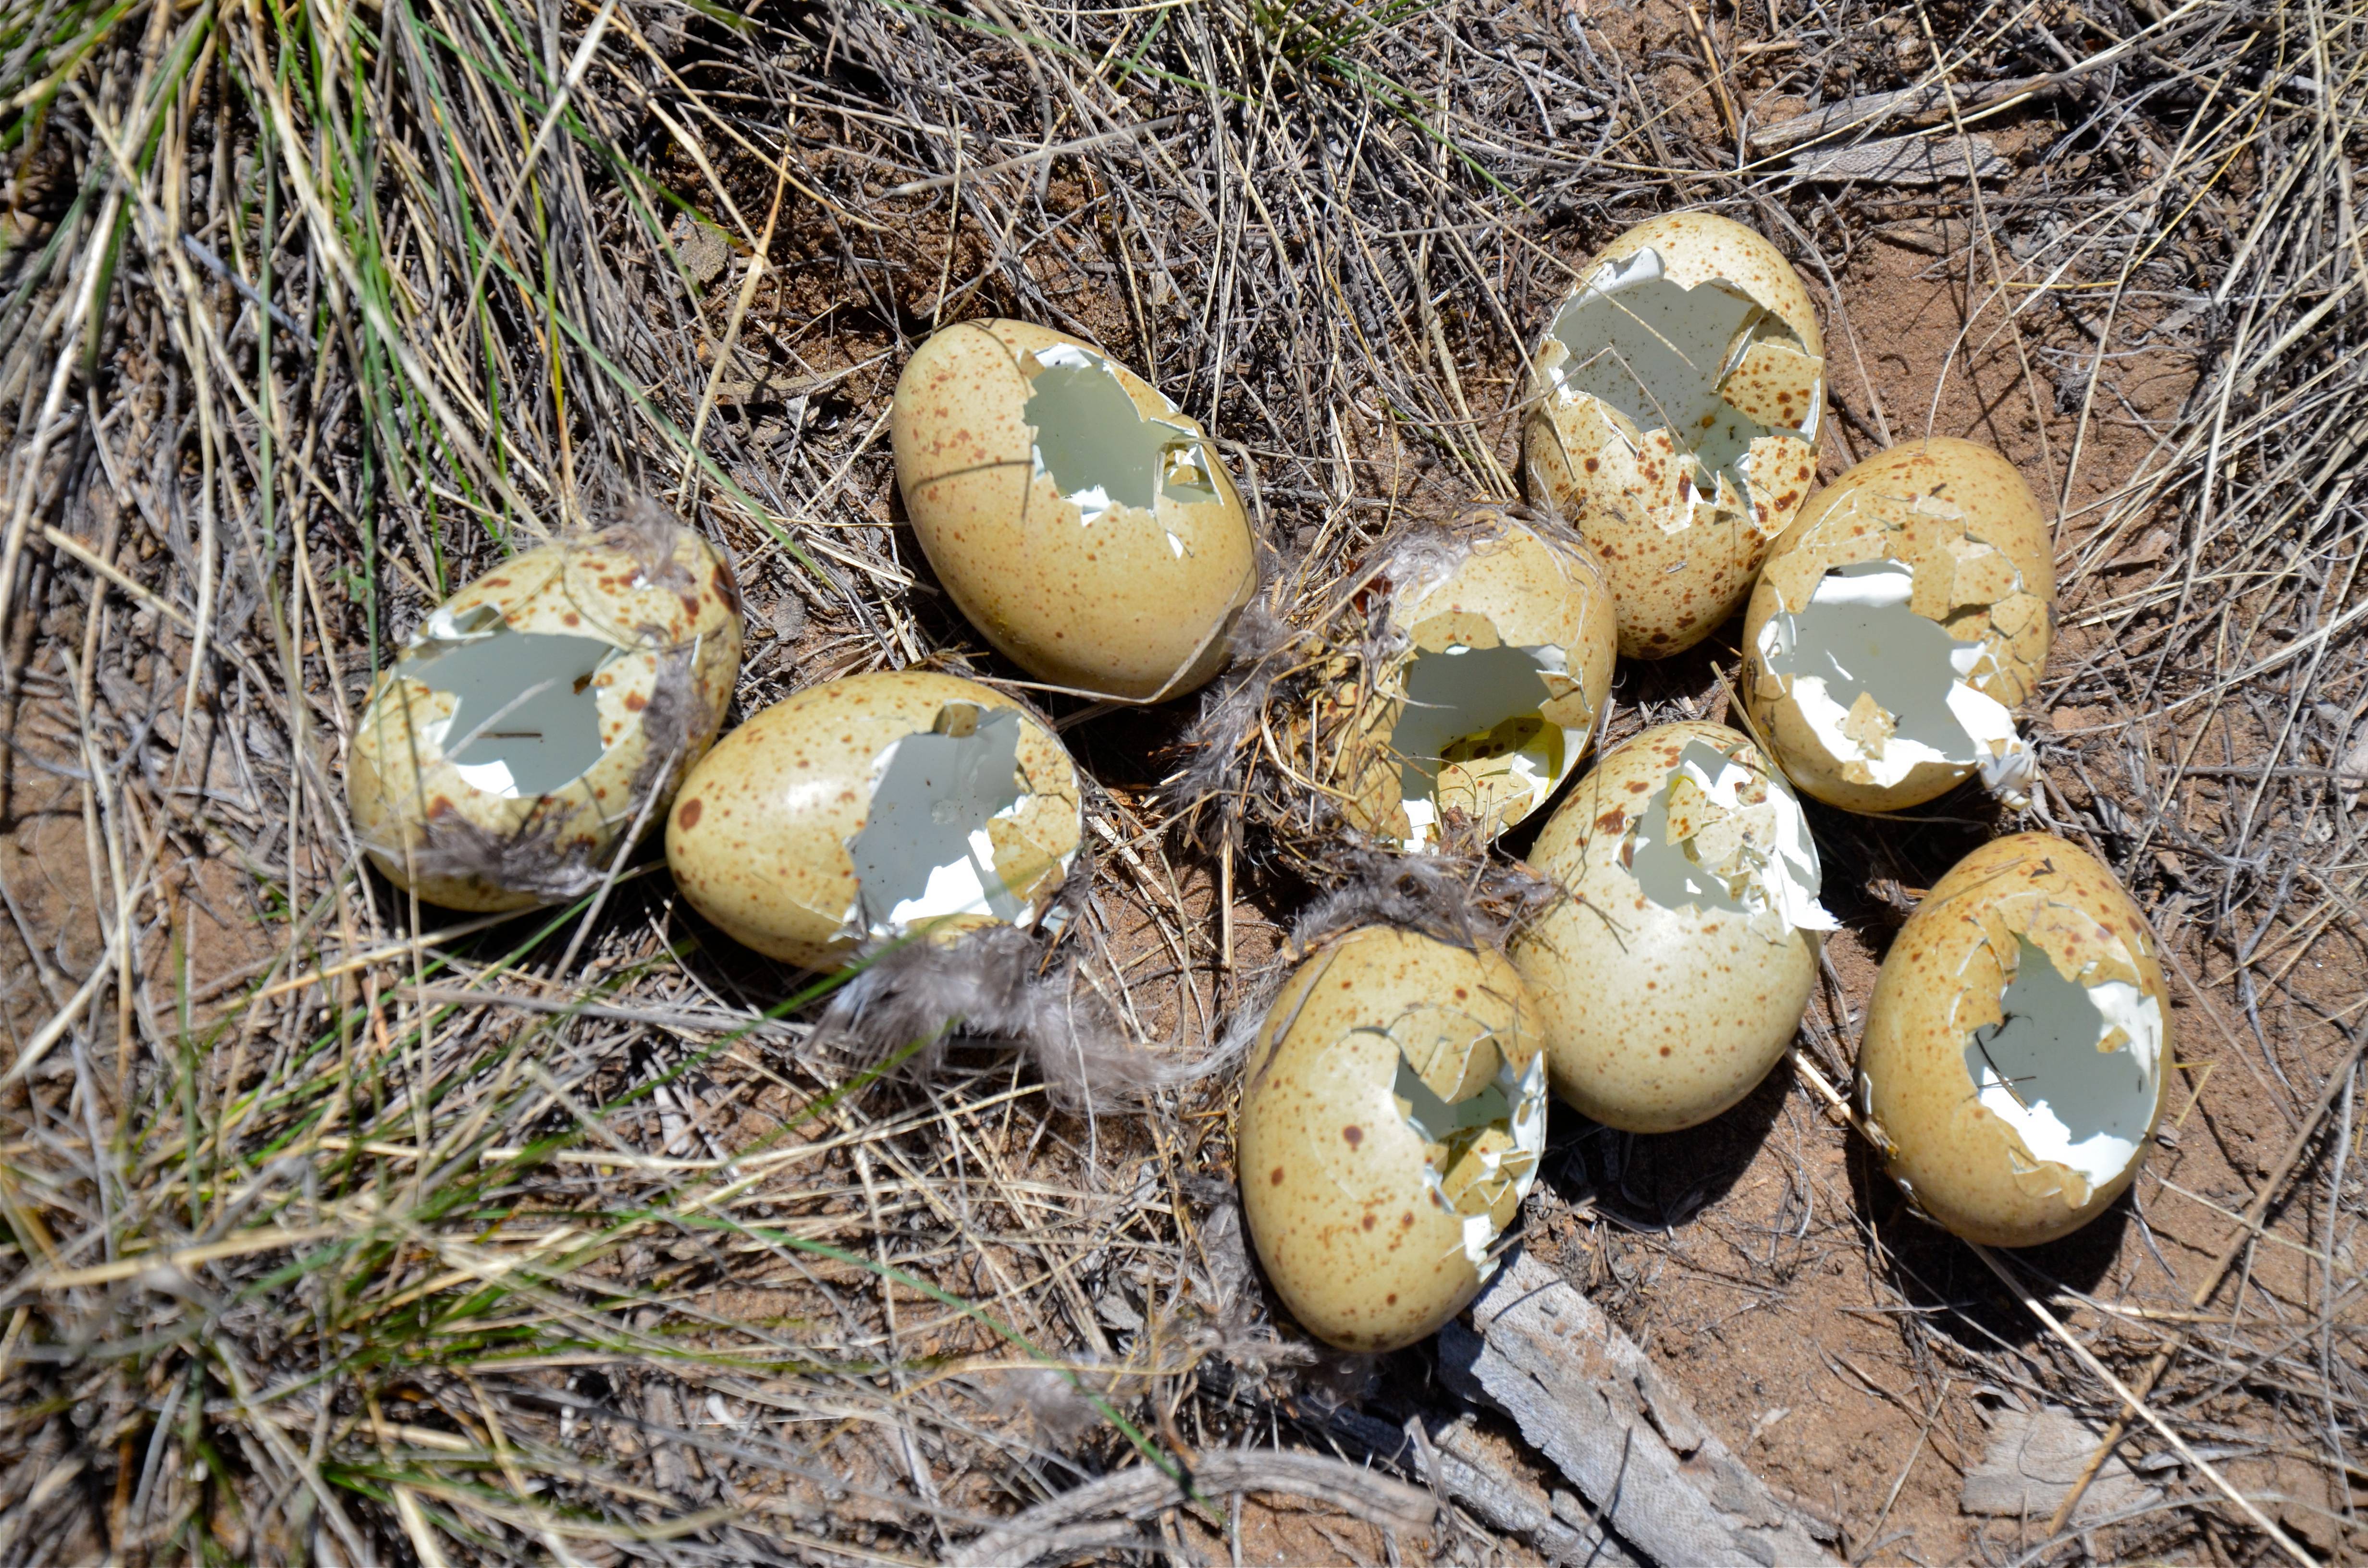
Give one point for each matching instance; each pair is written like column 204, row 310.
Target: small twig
column 1057, row 150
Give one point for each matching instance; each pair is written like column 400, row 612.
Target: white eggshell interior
column 527, row 719
column 1099, row 449
column 1660, row 354
column 1754, row 857
column 925, row 851
column 1856, row 645
column 2073, row 1068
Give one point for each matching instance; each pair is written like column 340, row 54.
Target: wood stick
column 1588, row 1398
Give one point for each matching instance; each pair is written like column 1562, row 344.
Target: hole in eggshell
column 1707, row 364
column 928, row 848
column 526, row 719
column 1100, row 450
column 1881, row 687
column 1721, row 835
column 1471, row 735
column 1481, row 1120
column 2071, row 1067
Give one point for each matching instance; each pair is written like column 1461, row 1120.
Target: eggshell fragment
column 543, row 710
column 1083, row 523
column 873, row 806
column 2013, row 1061
column 1673, row 977
column 1505, row 637
column 1393, row 1111
column 1896, row 625
column 1675, row 400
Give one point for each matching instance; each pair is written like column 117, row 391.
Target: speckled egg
column 874, row 806
column 1509, row 637
column 544, row 713
column 1392, row 1114
column 1897, row 625
column 2013, row 1063
column 1674, row 409
column 1083, row 523
column 1673, row 976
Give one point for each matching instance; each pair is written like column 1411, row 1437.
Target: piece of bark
column 1586, row 1396
column 2033, row 1461
column 1916, row 105
column 1497, row 1500
column 1082, row 1516
column 1902, row 160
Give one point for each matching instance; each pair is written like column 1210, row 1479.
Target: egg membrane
column 526, row 721
column 2071, row 1066
column 1701, row 363
column 1100, row 451
column 928, row 848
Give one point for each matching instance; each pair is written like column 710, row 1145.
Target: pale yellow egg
column 1673, row 976
column 1897, row 625
column 542, row 712
column 1392, row 1113
column 2018, row 1044
column 872, row 807
column 1082, row 522
column 1675, row 400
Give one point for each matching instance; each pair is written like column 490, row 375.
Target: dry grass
column 340, row 1229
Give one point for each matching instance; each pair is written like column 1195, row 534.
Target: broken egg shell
column 1540, row 601
column 1698, row 247
column 1373, row 1229
column 1658, row 1016
column 1130, row 603
column 658, row 596
column 1683, row 545
column 1970, row 537
column 765, row 836
column 1974, row 945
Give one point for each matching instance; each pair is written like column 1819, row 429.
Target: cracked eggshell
column 1086, row 588
column 1969, row 551
column 1373, row 1231
column 1673, row 976
column 1974, row 950
column 651, row 623
column 1532, row 613
column 1683, row 468
column 763, row 837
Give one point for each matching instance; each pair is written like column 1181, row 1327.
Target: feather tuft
column 997, row 985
